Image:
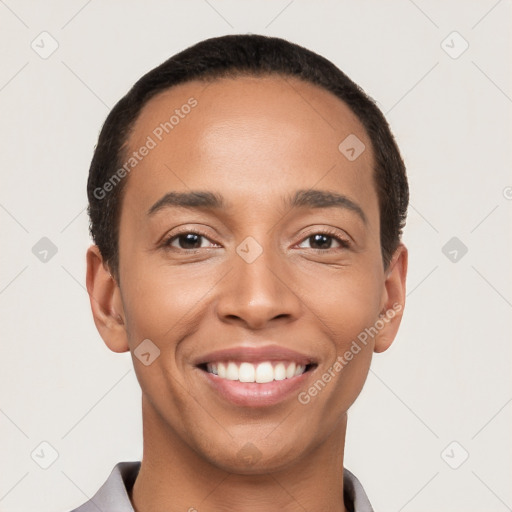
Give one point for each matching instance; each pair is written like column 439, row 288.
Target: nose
column 259, row 293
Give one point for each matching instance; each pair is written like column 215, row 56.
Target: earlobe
column 394, row 299
column 106, row 304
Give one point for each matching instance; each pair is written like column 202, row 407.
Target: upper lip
column 255, row 355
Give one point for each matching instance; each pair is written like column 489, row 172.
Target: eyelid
column 345, row 241
column 168, row 238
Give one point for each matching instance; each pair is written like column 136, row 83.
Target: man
column 247, row 201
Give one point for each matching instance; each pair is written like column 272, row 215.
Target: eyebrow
column 301, row 199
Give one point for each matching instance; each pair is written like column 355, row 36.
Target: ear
column 106, row 304
column 393, row 299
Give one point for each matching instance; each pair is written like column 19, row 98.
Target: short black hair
column 234, row 56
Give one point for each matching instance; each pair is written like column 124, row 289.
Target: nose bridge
column 256, row 290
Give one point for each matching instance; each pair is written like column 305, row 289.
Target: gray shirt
column 112, row 496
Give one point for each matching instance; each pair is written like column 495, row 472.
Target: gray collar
column 112, row 496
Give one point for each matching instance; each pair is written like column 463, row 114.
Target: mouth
column 255, row 377
column 260, row 373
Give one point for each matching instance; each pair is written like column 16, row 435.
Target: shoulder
column 113, row 494
column 355, row 496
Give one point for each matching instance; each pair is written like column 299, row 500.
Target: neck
column 174, row 477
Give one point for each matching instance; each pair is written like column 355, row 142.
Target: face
column 250, row 251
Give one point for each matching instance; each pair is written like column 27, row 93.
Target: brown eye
column 324, row 240
column 187, row 241
column 320, row 241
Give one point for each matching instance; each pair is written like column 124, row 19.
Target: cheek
column 340, row 379
column 345, row 300
column 346, row 309
column 163, row 306
column 159, row 303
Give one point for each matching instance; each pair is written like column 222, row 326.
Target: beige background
column 446, row 378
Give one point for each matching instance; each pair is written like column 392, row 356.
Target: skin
column 255, row 141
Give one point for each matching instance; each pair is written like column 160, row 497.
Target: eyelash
column 344, row 243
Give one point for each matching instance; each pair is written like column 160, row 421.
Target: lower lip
column 253, row 394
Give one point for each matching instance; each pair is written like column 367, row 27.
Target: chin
column 256, row 458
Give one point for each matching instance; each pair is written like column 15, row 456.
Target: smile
column 261, row 373
column 249, row 376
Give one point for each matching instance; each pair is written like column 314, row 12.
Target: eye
column 193, row 240
column 187, row 241
column 322, row 240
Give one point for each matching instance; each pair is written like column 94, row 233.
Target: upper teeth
column 261, row 372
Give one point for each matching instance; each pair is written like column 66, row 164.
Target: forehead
column 286, row 101
column 244, row 135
